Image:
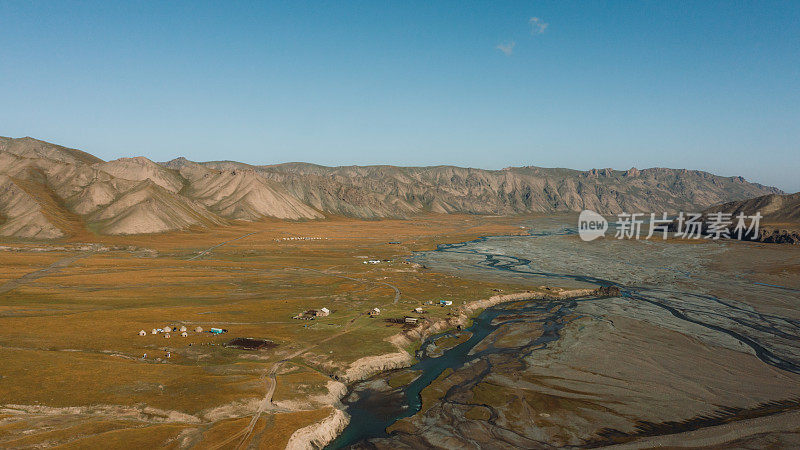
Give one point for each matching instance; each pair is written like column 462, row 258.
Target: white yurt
column 166, row 336
column 183, row 329
column 142, row 333
column 155, row 331
column 184, row 334
column 167, row 329
column 198, row 330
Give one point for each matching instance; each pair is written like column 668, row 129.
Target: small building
column 167, row 336
column 183, row 329
column 198, row 329
column 375, row 312
column 142, row 333
column 324, row 312
column 184, row 334
column 217, row 330
column 445, row 302
column 410, row 320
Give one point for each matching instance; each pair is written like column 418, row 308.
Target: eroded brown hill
column 780, row 221
column 48, row 191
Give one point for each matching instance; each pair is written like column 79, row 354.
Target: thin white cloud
column 537, row 25
column 506, row 48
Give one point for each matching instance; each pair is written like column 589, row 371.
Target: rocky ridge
column 48, row 191
column 780, row 222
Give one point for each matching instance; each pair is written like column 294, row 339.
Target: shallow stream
column 374, row 406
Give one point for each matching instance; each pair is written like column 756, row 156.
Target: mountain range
column 48, row 191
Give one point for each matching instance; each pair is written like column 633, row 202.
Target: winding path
column 204, row 252
column 272, row 383
column 360, row 280
column 270, row 378
column 35, row 275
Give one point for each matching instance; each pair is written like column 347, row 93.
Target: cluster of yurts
column 169, row 329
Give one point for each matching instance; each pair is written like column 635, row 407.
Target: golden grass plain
column 74, row 372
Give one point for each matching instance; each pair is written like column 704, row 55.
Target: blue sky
column 704, row 85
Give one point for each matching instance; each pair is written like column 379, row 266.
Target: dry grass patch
column 70, row 337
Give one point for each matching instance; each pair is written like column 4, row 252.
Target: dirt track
column 395, row 288
column 209, row 249
column 272, row 382
column 33, row 276
column 244, row 435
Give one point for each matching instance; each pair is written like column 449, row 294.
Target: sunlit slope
column 149, row 208
column 50, row 191
column 775, row 208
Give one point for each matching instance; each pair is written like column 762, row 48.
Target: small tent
column 142, row 333
column 183, row 329
column 184, row 334
column 166, row 336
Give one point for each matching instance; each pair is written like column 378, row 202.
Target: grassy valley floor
column 75, row 371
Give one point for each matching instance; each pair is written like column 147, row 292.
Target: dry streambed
column 685, row 347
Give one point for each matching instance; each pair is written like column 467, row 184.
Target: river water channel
column 651, row 289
